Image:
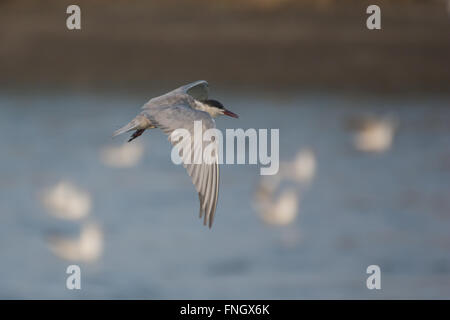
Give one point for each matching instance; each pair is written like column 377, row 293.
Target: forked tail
column 140, row 123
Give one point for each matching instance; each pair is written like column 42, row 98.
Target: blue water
column 390, row 209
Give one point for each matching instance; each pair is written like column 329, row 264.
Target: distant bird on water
column 276, row 210
column 179, row 109
column 67, row 201
column 86, row 248
column 372, row 134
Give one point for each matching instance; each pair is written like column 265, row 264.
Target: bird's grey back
column 198, row 90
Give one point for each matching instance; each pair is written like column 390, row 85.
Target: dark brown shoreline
column 275, row 45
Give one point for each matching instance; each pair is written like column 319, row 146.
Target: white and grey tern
column 179, row 109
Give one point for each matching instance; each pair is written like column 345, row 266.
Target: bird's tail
column 129, row 127
column 138, row 123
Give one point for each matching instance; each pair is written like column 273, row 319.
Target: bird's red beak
column 230, row 114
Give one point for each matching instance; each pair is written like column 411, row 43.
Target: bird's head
column 215, row 108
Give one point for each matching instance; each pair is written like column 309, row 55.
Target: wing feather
column 205, row 176
column 198, row 90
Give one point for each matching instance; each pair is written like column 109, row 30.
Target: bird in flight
column 178, row 109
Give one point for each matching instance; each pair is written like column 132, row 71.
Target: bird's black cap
column 214, row 103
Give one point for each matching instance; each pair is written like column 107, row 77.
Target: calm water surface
column 390, row 209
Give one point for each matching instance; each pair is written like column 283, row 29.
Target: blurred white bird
column 281, row 207
column 67, row 201
column 276, row 210
column 302, row 169
column 124, row 156
column 86, row 248
column 373, row 134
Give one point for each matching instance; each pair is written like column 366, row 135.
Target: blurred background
column 364, row 123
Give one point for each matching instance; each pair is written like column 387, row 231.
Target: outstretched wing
column 205, row 175
column 199, row 90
